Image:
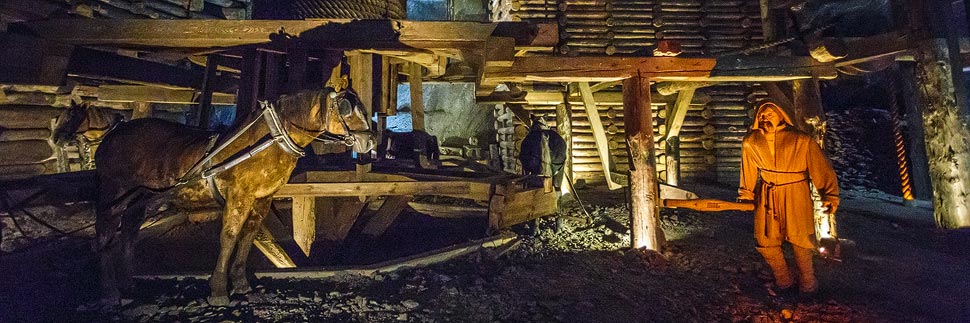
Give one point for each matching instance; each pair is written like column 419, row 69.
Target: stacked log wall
column 715, row 124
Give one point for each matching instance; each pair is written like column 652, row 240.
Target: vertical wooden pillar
column 205, row 101
column 564, row 125
column 939, row 74
column 141, row 110
column 296, row 60
column 673, row 160
column 415, row 74
column 644, row 197
column 249, row 80
column 807, row 103
column 947, row 136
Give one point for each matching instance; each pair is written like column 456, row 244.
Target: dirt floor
column 897, row 268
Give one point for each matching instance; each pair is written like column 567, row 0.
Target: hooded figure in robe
column 778, row 162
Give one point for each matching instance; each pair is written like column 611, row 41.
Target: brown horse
column 84, row 126
column 146, row 162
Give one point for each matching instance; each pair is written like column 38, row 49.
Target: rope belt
column 767, row 187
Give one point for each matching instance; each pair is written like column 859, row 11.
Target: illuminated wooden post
column 645, row 218
column 945, row 114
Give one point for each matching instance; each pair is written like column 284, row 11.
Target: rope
column 901, row 162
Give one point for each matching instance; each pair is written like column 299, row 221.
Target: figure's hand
column 830, row 207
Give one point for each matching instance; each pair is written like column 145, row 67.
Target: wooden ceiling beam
column 328, row 33
column 607, row 69
column 88, row 63
column 139, row 93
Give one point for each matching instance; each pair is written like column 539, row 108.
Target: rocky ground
column 897, row 268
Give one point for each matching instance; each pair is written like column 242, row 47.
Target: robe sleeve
column 822, row 175
column 749, row 172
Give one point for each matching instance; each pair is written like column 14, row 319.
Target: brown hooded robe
column 779, row 184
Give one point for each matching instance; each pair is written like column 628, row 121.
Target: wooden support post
column 939, row 74
column 272, row 67
column 205, row 101
column 249, row 80
column 415, row 73
column 304, row 222
column 336, row 216
column 599, row 133
column 266, row 244
column 675, row 119
column 947, row 137
column 564, row 125
column 141, row 110
column 386, row 214
column 672, row 154
column 808, row 107
column 296, row 73
column 645, row 218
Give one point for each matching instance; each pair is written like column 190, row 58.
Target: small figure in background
column 543, row 152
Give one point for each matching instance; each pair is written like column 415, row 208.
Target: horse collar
column 278, row 132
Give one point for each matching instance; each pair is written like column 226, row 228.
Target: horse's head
column 332, row 115
column 69, row 122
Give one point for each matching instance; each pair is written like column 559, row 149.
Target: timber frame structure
column 131, row 59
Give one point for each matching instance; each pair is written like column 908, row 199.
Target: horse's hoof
column 218, row 300
column 110, row 301
column 242, row 290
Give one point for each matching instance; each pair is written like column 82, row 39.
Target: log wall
column 719, row 115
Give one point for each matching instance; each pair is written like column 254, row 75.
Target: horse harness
column 277, row 135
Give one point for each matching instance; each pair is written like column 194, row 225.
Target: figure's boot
column 779, row 268
column 806, row 278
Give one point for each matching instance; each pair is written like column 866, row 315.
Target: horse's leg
column 240, row 282
column 130, row 224
column 108, row 213
column 237, row 210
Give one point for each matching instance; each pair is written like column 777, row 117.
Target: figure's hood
column 761, row 109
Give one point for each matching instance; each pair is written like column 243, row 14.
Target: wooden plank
column 141, row 110
column 385, row 215
column 141, row 93
column 599, row 133
column 100, row 65
column 522, row 206
column 339, row 33
column 607, row 69
column 374, row 188
column 336, row 216
column 675, row 118
column 417, row 96
column 864, row 49
column 645, row 229
column 266, row 243
column 304, row 222
column 449, row 211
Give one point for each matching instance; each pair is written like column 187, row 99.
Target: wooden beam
column 644, row 196
column 374, row 188
column 599, row 133
column 100, row 65
column 864, row 49
column 141, row 93
column 266, row 243
column 336, row 216
column 141, row 110
column 304, row 222
column 205, row 101
column 415, row 75
column 385, row 215
column 675, row 118
column 606, row 69
column 324, row 33
column 564, row 126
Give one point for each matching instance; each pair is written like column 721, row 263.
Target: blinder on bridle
column 353, row 126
